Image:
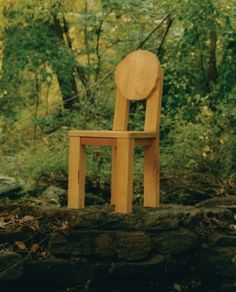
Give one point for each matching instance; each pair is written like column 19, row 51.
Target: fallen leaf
column 2, row 223
column 30, row 221
column 44, row 254
column 177, row 287
column 27, row 218
column 20, row 245
column 34, row 247
column 34, row 226
column 64, row 225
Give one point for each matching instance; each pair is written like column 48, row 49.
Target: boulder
column 91, row 199
column 10, row 188
column 83, row 243
column 218, row 263
column 227, row 202
column 58, row 271
column 185, row 197
column 11, row 266
column 55, row 196
column 176, row 241
column 151, row 269
column 171, row 248
column 164, row 219
column 133, row 246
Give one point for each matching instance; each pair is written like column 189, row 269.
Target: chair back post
column 153, row 106
column 121, row 112
column 139, row 76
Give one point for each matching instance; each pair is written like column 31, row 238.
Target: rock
column 6, row 180
column 209, row 220
column 10, row 188
column 150, row 269
column 55, row 196
column 133, row 246
column 161, row 220
column 224, row 240
column 185, row 197
column 130, row 246
column 105, row 244
column 95, row 249
column 105, row 218
column 137, row 276
column 93, row 216
column 228, row 202
column 85, row 243
column 11, row 266
column 176, row 241
column 167, row 217
column 58, row 272
column 58, row 244
column 91, row 199
column 219, row 262
column 230, row 286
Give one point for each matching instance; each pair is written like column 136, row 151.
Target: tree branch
column 152, row 32
column 169, row 24
column 86, row 42
column 99, row 30
column 202, row 64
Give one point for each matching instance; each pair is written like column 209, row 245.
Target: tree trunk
column 212, row 65
column 212, row 69
column 67, row 82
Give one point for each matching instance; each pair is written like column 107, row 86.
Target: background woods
column 56, row 73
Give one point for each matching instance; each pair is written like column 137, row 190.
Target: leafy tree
column 75, row 45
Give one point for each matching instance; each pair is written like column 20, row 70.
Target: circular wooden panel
column 137, row 74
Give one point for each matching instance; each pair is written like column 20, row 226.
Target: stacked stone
column 174, row 248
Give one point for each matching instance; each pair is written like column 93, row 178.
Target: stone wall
column 173, row 248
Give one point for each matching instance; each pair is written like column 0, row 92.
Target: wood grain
column 76, row 178
column 112, row 134
column 98, row 141
column 136, row 75
column 121, row 115
column 151, row 175
column 124, row 175
column 114, row 177
column 153, row 107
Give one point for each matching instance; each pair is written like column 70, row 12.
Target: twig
column 19, row 221
column 152, row 32
column 6, row 269
column 99, row 30
column 169, row 24
column 86, row 40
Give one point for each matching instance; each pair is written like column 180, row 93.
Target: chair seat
column 112, row 134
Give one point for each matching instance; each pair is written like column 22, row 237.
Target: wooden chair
column 139, row 76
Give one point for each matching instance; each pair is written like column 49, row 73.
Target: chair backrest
column 139, row 76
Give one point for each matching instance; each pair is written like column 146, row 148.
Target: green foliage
column 47, row 40
column 28, row 49
column 45, row 162
column 44, row 165
column 201, row 149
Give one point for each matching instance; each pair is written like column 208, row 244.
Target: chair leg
column 76, row 176
column 113, row 176
column 124, row 175
column 151, row 175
